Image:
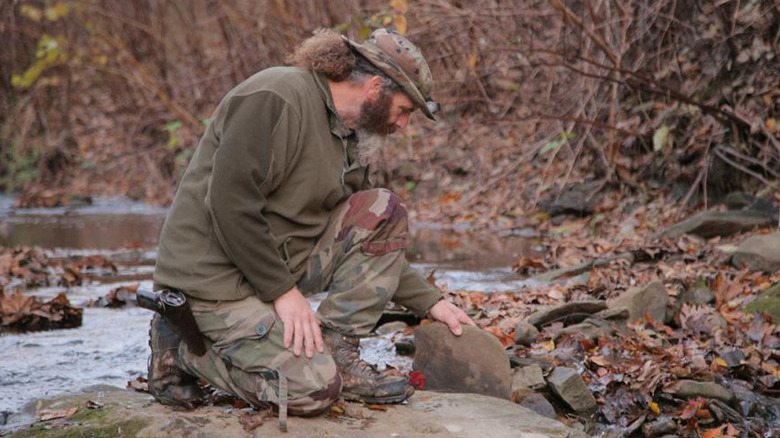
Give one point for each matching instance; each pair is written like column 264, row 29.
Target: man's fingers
column 288, row 333
column 298, row 338
column 462, row 317
column 317, row 334
column 454, row 325
column 308, row 341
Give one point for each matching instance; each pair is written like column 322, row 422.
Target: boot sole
column 349, row 396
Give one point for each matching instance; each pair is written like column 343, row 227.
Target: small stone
column 537, row 403
column 693, row 389
column 759, row 253
column 591, row 329
column 650, row 299
column 528, row 377
column 567, row 384
column 658, row 428
column 405, row 346
column 733, row 358
column 474, row 362
column 697, row 296
column 526, row 334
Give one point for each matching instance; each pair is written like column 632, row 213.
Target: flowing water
column 111, row 345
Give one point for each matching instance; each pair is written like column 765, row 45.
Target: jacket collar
column 336, row 124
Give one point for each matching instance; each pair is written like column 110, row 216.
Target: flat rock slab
column 759, row 253
column 573, row 312
column 474, row 362
column 720, row 223
column 427, row 414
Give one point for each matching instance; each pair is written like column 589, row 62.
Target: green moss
column 84, row 429
column 768, row 302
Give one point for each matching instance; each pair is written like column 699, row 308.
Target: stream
column 111, row 345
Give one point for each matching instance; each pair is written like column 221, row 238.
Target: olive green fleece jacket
column 259, row 190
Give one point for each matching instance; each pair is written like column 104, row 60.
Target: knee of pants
column 318, row 401
column 382, row 216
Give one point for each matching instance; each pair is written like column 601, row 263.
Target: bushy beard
column 372, row 127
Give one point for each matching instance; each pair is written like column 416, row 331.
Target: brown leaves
column 48, row 414
column 140, row 384
column 117, row 297
column 25, row 313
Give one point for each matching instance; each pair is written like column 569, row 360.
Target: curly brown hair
column 325, row 52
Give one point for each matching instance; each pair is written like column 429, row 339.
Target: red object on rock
column 417, row 379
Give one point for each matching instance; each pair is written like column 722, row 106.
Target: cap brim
column 396, row 74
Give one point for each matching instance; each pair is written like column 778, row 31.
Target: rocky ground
column 112, row 412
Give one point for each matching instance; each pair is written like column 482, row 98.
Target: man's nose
column 401, row 122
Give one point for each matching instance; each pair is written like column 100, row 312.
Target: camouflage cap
column 403, row 62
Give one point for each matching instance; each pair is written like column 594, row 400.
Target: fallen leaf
column 48, row 414
column 417, row 379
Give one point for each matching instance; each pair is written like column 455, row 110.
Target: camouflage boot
column 168, row 382
column 361, row 380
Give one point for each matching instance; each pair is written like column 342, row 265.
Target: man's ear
column 374, row 86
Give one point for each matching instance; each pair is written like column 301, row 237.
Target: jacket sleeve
column 257, row 134
column 415, row 292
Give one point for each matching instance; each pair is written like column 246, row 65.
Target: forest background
column 671, row 99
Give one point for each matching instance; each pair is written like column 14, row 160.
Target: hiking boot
column 168, row 382
column 361, row 381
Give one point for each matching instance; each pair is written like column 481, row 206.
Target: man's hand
column 301, row 326
column 448, row 313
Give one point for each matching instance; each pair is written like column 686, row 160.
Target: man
column 274, row 206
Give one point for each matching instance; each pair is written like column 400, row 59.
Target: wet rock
column 568, row 312
column 658, row 428
column 759, row 253
column 528, row 377
column 474, row 362
column 767, row 302
column 405, row 346
column 526, row 334
column 693, row 389
column 462, row 415
column 567, row 384
column 716, row 223
column 539, row 404
column 651, row 299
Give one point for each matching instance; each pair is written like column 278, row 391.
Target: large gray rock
column 651, row 298
column 567, row 384
column 759, row 253
column 473, row 362
column 720, row 223
column 426, row 414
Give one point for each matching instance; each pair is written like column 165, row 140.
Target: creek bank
column 130, row 414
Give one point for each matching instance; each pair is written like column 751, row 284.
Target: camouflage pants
column 358, row 261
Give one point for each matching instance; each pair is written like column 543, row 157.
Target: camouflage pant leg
column 245, row 341
column 359, row 261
